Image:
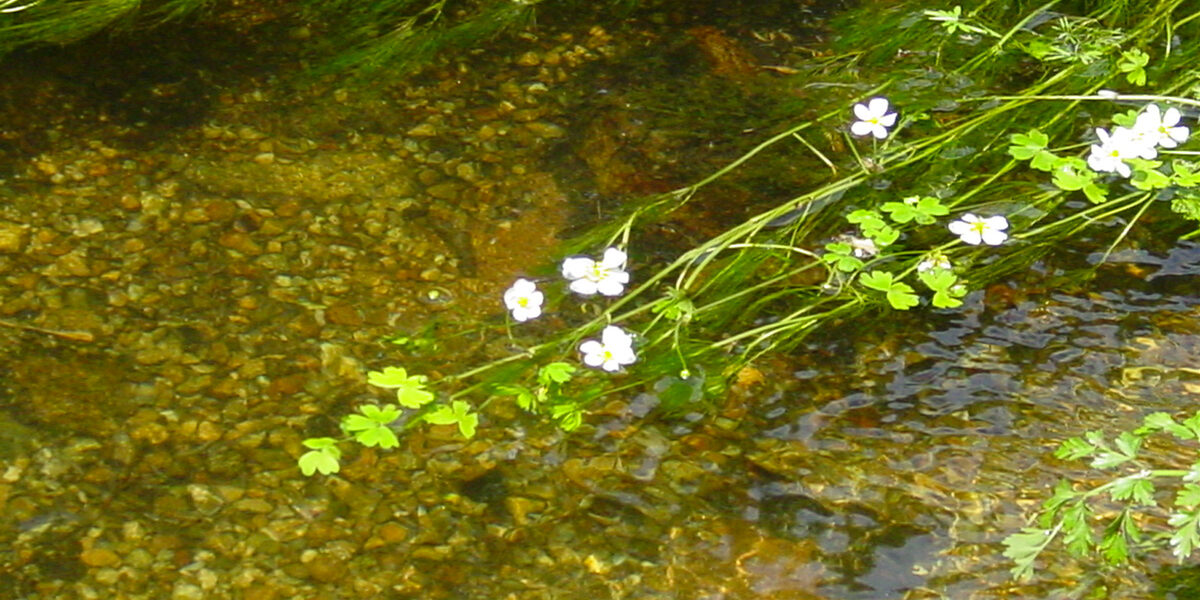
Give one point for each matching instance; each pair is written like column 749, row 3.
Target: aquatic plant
column 964, row 187
column 1069, row 513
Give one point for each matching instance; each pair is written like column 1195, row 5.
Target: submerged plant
column 1071, row 514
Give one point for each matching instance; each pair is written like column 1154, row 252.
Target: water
column 240, row 269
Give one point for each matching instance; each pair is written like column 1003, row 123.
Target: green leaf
column 922, row 210
column 1063, row 493
column 1074, row 448
column 1026, row 145
column 1023, row 548
column 1146, row 175
column 456, row 413
column 866, row 218
column 1133, row 63
column 1031, row 146
column 324, row 461
column 1096, row 194
column 1184, row 174
column 378, row 435
column 410, row 389
column 1193, row 423
column 1070, row 176
column 900, row 212
column 1106, row 459
column 556, row 372
column 877, row 280
column 1129, row 444
column 1188, row 496
column 1127, row 118
column 1077, row 536
column 1138, row 489
column 391, row 377
column 370, row 425
column 525, row 398
column 938, row 279
column 945, row 299
column 1114, row 543
column 901, row 296
column 322, row 443
column 1186, row 537
column 675, row 305
column 569, row 416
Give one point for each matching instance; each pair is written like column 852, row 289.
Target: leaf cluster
column 1069, row 512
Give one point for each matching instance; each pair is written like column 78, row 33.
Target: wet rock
column 100, row 557
column 236, row 240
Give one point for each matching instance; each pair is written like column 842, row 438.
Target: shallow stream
column 198, row 264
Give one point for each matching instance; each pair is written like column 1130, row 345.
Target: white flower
column 974, row 230
column 873, row 118
column 1161, row 128
column 1110, row 154
column 614, row 349
column 524, row 300
column 937, row 262
column 587, row 276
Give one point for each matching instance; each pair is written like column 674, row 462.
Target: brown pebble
column 220, row 210
column 344, row 314
column 100, row 557
column 392, row 533
column 13, row 238
column 327, row 569
column 241, row 242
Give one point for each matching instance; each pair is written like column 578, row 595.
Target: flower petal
column 878, row 106
column 585, row 287
column 862, row 112
column 577, row 267
column 614, row 258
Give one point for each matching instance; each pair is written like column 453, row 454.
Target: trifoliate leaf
column 377, row 436
column 901, row 296
column 323, row 461
column 392, row 377
column 1026, row 145
column 877, row 280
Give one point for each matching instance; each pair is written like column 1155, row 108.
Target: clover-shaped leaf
column 900, row 295
column 370, row 425
column 456, row 413
column 322, row 457
column 410, row 389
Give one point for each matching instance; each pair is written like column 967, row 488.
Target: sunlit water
column 229, row 280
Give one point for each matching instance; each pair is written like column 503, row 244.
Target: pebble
column 100, row 557
column 13, row 238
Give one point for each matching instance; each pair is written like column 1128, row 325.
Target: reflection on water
column 238, row 277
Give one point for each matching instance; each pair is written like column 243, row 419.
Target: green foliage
column 410, row 390
column 322, row 456
column 841, row 256
column 945, row 286
column 675, row 306
column 954, row 23
column 924, row 210
column 899, row 294
column 457, row 413
column 1068, row 511
column 1133, row 65
column 1031, row 146
column 874, row 227
column 370, row 427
